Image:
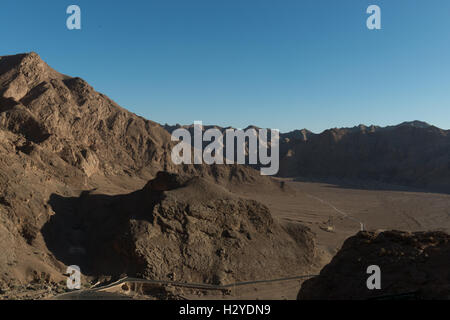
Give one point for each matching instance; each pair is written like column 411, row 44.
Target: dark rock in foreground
column 413, row 265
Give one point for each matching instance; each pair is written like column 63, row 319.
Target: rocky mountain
column 66, row 116
column 411, row 154
column 412, row 266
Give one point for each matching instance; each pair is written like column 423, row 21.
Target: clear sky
column 285, row 64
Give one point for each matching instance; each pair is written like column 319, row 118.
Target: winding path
column 344, row 214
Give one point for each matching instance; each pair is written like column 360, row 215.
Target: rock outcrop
column 413, row 266
column 178, row 228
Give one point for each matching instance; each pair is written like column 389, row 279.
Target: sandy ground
column 334, row 213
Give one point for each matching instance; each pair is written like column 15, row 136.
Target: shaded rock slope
column 413, row 266
column 177, row 228
column 410, row 154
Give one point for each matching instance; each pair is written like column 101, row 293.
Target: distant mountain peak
column 415, row 123
column 21, row 61
column 22, row 72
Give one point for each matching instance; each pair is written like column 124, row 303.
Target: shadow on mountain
column 410, row 154
column 91, row 231
column 373, row 185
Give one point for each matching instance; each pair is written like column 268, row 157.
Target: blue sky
column 280, row 64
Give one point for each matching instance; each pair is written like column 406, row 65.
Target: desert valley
column 85, row 182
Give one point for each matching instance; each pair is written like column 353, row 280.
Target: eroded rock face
column 415, row 264
column 68, row 117
column 179, row 228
